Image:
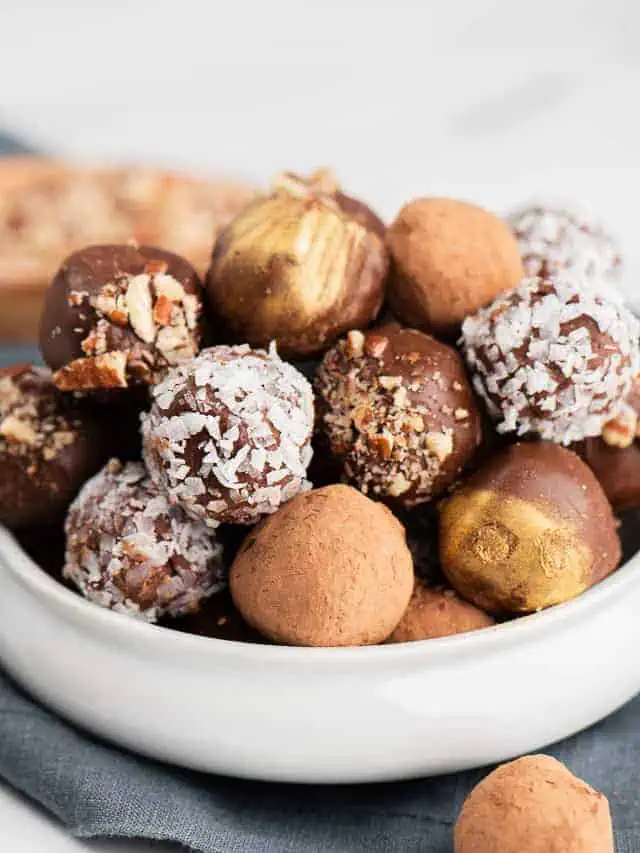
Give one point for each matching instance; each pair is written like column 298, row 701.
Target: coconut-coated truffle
column 556, row 357
column 330, row 568
column 531, row 528
column 299, row 266
column 553, row 240
column 449, row 258
column 534, row 805
column 396, row 406
column 129, row 550
column 228, row 436
column 49, row 446
column 117, row 315
column 438, row 612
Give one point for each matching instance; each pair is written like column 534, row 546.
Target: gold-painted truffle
column 299, row 266
column 330, row 568
column 529, row 529
column 437, row 612
column 534, row 805
column 449, row 258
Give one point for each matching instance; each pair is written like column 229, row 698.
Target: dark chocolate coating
column 617, row 469
column 67, row 321
column 402, row 384
column 42, row 475
column 532, row 527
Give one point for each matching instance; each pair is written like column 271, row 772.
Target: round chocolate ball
column 299, row 266
column 531, row 528
column 395, row 405
column 553, row 240
column 438, row 612
column 228, row 436
column 614, row 457
column 534, row 805
column 130, row 550
column 117, row 316
column 449, row 258
column 330, row 568
column 556, row 357
column 49, row 446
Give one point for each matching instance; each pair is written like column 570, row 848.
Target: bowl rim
column 505, row 635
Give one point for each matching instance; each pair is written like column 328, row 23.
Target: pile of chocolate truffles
column 347, row 434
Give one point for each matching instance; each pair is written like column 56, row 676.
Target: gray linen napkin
column 97, row 790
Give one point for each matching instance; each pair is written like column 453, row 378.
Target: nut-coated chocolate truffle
column 553, row 357
column 553, row 240
column 396, row 406
column 129, row 550
column 299, row 266
column 330, row 568
column 117, row 316
column 534, row 805
column 228, row 436
column 449, row 258
column 438, row 612
column 48, row 448
column 531, row 528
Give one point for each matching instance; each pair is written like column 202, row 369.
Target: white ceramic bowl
column 321, row 715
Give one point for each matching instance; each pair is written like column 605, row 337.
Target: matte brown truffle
column 117, row 316
column 529, row 529
column 299, row 266
column 449, row 258
column 49, row 446
column 534, row 805
column 395, row 405
column 330, row 568
column 436, row 613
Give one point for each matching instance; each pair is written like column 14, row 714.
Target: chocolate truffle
column 117, row 316
column 553, row 357
column 49, row 446
column 449, row 258
column 299, row 266
column 534, row 805
column 228, row 436
column 438, row 612
column 129, row 550
column 553, row 240
column 330, row 568
column 531, row 528
column 615, row 457
column 396, row 406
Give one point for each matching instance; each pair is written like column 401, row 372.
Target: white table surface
column 497, row 101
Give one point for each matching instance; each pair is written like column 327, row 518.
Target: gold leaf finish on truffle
column 298, row 267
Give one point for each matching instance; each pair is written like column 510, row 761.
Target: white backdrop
column 491, row 100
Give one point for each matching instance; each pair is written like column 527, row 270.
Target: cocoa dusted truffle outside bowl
column 323, row 715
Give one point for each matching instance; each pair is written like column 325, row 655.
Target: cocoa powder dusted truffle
column 228, row 436
column 330, row 568
column 299, row 266
column 531, row 528
column 449, row 258
column 534, row 805
column 48, row 448
column 553, row 240
column 117, row 316
column 553, row 357
column 395, row 405
column 129, row 550
column 438, row 612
